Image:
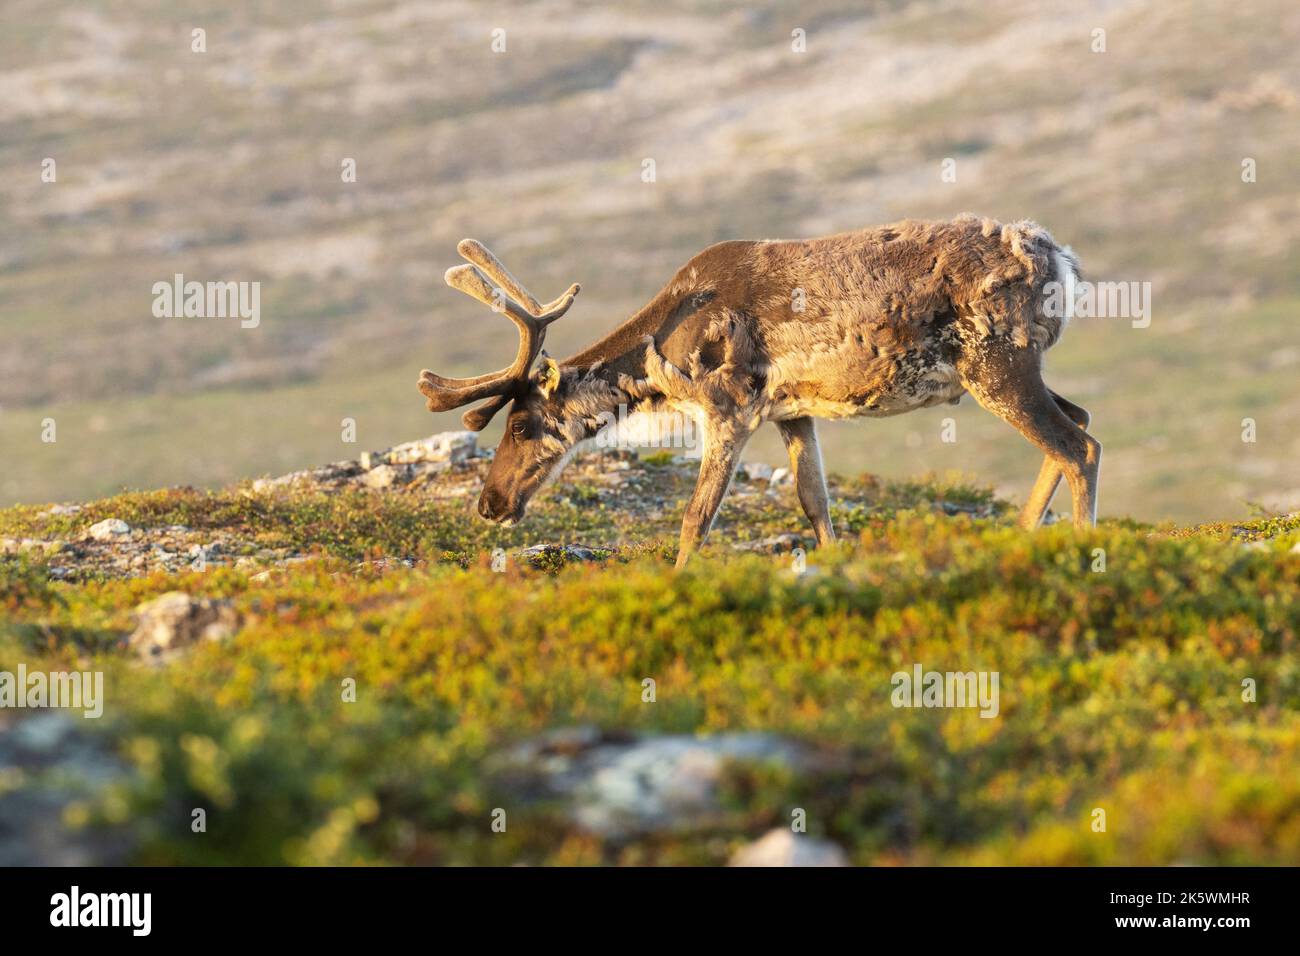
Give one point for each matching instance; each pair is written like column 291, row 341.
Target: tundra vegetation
column 1162, row 690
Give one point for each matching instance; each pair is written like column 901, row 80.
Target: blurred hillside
column 225, row 165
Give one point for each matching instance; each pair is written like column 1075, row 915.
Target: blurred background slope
column 226, row 165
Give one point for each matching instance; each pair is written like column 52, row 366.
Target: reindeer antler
column 529, row 315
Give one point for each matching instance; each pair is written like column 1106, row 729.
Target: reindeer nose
column 490, row 505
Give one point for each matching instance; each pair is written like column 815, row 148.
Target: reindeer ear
column 548, row 376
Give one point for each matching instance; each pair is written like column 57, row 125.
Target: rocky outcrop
column 566, row 552
column 174, row 621
column 624, row 787
column 621, row 786
column 410, row 463
column 451, row 447
column 110, row 529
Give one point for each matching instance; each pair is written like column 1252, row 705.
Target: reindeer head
column 538, row 435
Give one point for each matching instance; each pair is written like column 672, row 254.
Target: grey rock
column 424, row 470
column 755, row 471
column 110, row 529
column 621, row 787
column 386, row 476
column 784, row 847
column 267, row 484
column 328, row 475
column 198, row 555
column 54, row 761
column 575, row 552
column 175, row 620
column 449, row 447
column 336, row 472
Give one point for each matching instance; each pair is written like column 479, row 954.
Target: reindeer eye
column 519, row 429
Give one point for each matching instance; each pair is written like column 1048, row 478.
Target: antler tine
column 445, row 393
column 553, row 310
column 474, row 251
column 473, row 283
column 521, row 307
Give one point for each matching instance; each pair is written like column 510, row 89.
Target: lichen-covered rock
column 410, row 463
column 570, row 552
column 283, row 481
column 442, row 447
column 327, row 476
column 619, row 786
column 175, row 620
column 386, row 476
column 110, row 529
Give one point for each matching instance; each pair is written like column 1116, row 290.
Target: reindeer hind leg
column 800, row 436
column 1008, row 382
column 1049, row 477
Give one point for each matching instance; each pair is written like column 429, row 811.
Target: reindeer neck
column 605, row 385
column 618, row 357
column 624, row 346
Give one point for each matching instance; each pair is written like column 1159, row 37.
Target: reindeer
column 869, row 323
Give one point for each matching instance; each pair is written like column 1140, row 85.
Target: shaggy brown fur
column 869, row 323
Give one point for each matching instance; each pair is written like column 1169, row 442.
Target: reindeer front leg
column 724, row 441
